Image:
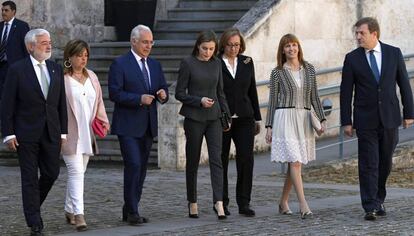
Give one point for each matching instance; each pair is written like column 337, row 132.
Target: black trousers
column 375, row 151
column 194, row 133
column 42, row 155
column 242, row 133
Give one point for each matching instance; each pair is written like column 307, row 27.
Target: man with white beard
column 34, row 122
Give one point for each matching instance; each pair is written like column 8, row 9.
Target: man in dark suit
column 370, row 75
column 136, row 82
column 12, row 47
column 34, row 121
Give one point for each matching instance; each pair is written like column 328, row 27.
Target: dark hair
column 9, row 3
column 205, row 36
column 372, row 23
column 74, row 47
column 281, row 57
column 227, row 34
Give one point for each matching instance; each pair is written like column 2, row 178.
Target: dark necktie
column 374, row 66
column 4, row 43
column 145, row 74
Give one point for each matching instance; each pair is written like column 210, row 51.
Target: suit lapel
column 384, row 57
column 152, row 74
column 52, row 75
column 240, row 67
column 32, row 77
column 12, row 30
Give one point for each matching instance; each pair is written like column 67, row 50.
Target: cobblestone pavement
column 336, row 207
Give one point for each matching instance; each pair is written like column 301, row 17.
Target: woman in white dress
column 84, row 104
column 293, row 92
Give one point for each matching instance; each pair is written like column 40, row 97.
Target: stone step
column 103, row 61
column 115, row 155
column 216, row 3
column 161, row 47
column 182, row 33
column 198, row 24
column 207, row 13
column 170, row 73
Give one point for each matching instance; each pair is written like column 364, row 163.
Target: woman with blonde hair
column 293, row 92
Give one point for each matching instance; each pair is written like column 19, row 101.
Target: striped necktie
column 145, row 74
column 4, row 43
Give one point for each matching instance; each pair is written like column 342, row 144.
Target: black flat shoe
column 371, row 215
column 36, row 230
column 134, row 219
column 381, row 211
column 220, row 217
column 226, row 211
column 191, row 215
column 247, row 211
column 124, row 214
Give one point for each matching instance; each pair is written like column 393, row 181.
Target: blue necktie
column 374, row 66
column 145, row 74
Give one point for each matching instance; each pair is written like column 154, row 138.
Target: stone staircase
column 174, row 39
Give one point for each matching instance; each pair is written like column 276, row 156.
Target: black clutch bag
column 225, row 120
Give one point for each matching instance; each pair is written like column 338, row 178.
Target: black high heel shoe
column 220, row 217
column 189, row 212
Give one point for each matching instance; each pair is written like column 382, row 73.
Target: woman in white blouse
column 84, row 104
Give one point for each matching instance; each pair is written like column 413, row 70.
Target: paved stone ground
column 336, row 207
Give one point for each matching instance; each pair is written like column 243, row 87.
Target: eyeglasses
column 147, row 42
column 236, row 45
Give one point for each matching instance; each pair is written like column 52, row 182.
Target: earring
column 67, row 64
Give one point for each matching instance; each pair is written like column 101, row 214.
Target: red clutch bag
column 98, row 127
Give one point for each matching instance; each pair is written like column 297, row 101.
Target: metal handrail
column 329, row 90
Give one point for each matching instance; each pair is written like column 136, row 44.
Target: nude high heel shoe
column 80, row 222
column 218, row 208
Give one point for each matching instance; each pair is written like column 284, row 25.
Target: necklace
column 79, row 77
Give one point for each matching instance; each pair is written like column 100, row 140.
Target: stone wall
column 325, row 30
column 65, row 20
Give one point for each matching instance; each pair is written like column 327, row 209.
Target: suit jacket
column 24, row 110
column 241, row 92
column 375, row 103
column 126, row 85
column 15, row 48
column 197, row 79
column 69, row 147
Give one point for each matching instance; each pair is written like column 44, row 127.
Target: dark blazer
column 24, row 110
column 196, row 80
column 126, row 85
column 241, row 92
column 375, row 103
column 16, row 49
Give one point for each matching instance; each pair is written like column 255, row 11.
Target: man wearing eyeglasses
column 136, row 83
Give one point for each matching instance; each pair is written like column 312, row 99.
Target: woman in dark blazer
column 241, row 93
column 200, row 89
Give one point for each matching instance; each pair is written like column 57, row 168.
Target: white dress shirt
column 231, row 69
column 138, row 58
column 8, row 28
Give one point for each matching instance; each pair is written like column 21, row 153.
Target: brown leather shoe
column 70, row 218
column 80, row 223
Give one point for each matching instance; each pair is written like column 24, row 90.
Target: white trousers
column 76, row 167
